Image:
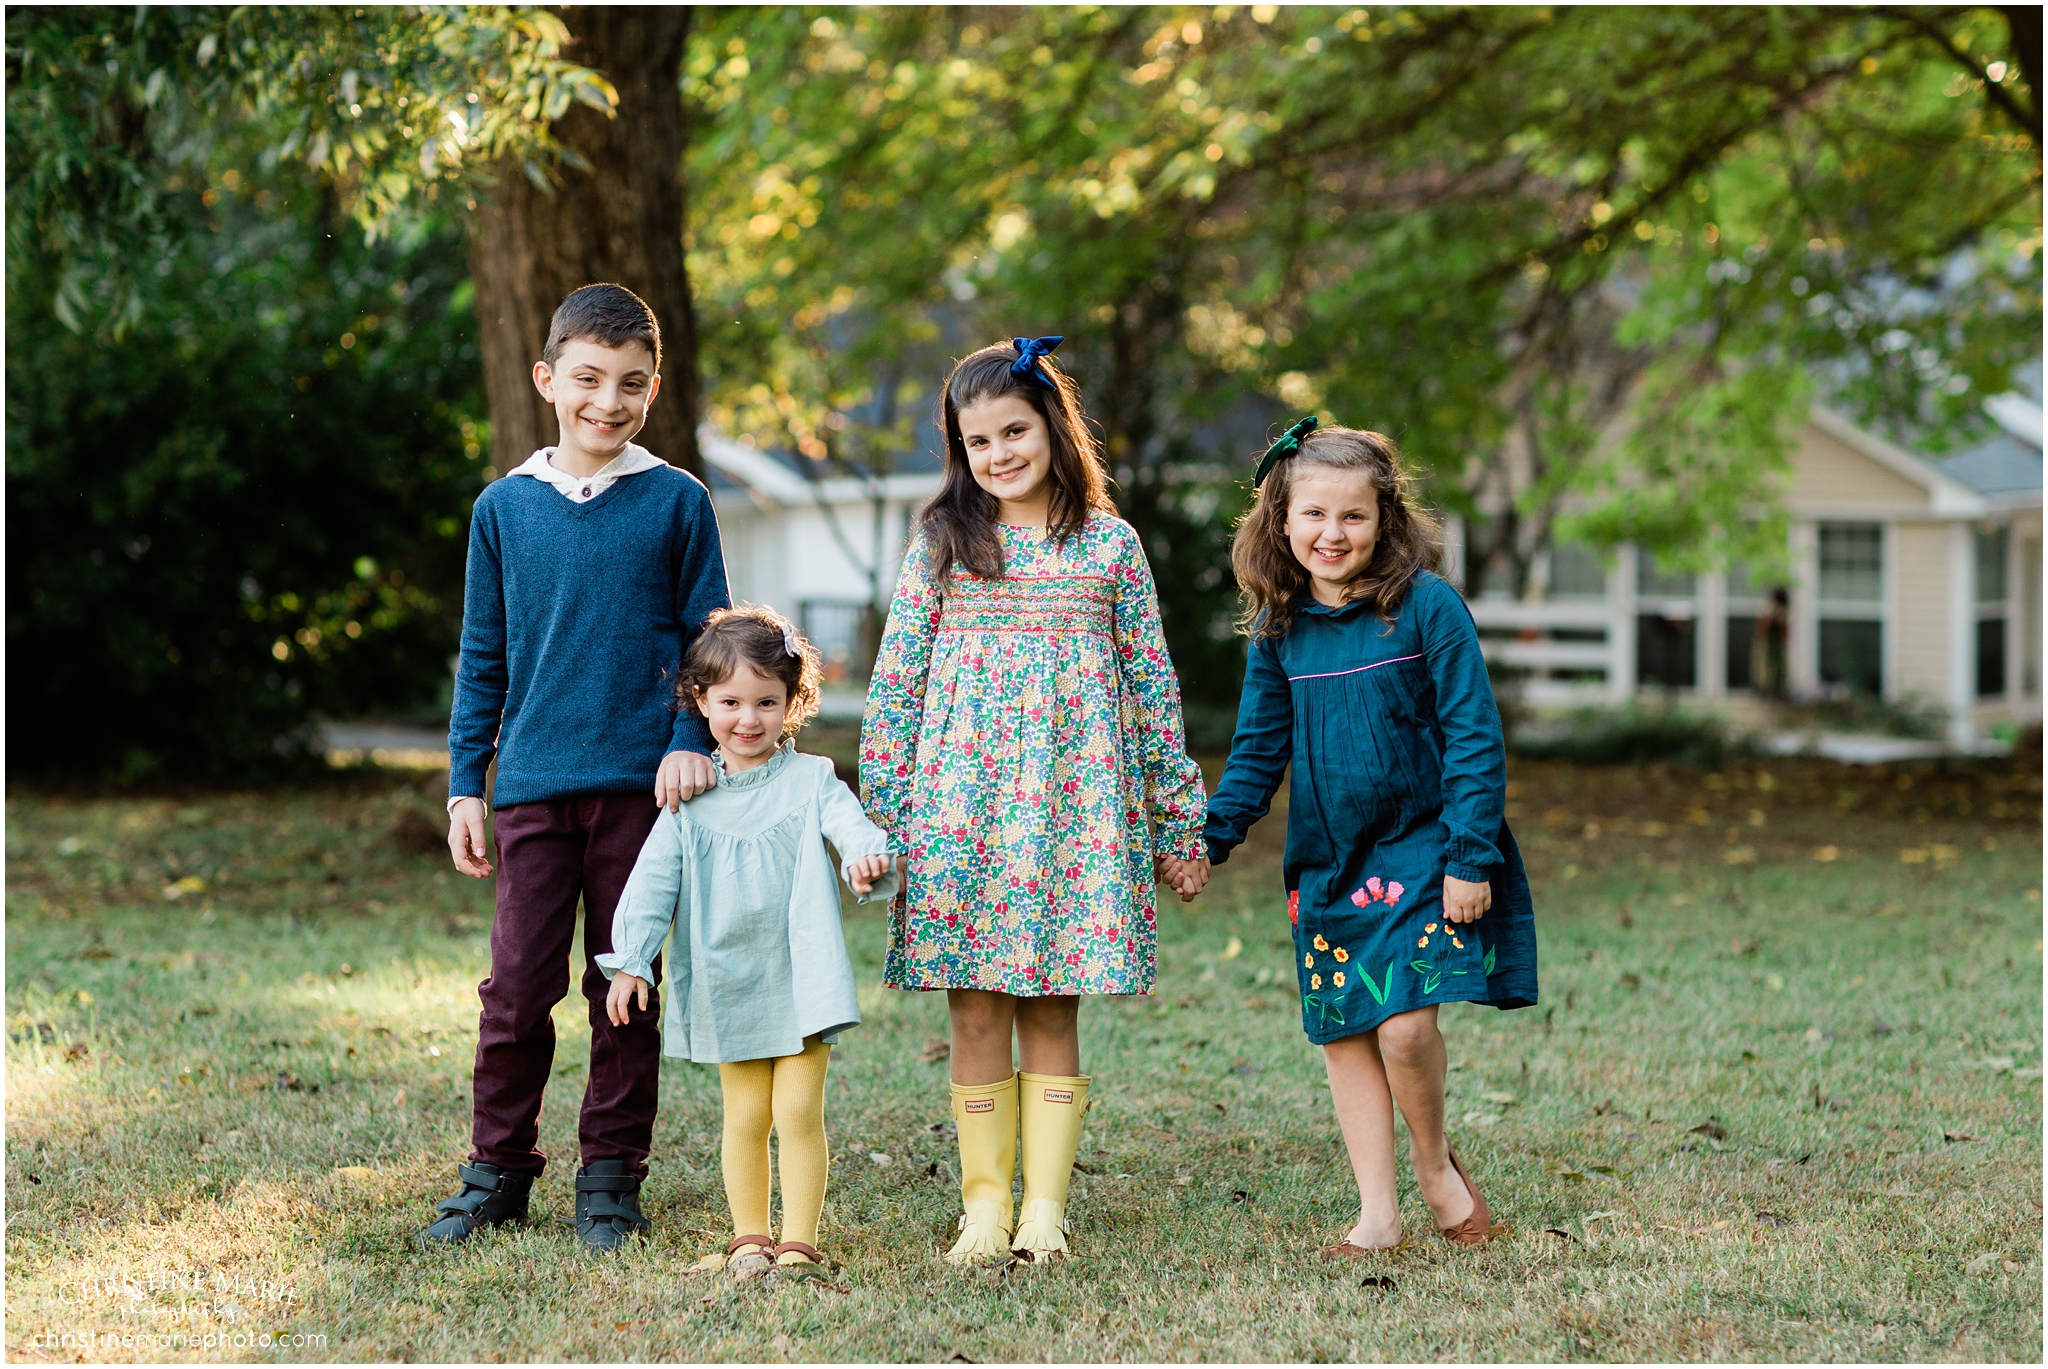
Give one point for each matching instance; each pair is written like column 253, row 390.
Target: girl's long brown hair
column 1271, row 583
column 959, row 524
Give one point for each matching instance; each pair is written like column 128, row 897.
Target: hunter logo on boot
column 981, row 1105
column 1059, row 1095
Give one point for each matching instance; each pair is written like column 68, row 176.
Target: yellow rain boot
column 1052, row 1105
column 986, row 1118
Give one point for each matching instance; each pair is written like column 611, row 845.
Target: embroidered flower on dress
column 1431, row 929
column 1315, row 981
column 1421, row 941
column 1338, row 979
column 1360, row 897
column 1308, row 962
column 1341, row 954
column 1321, row 944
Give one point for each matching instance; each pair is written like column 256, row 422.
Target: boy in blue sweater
column 591, row 569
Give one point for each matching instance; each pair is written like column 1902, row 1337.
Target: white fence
column 1517, row 633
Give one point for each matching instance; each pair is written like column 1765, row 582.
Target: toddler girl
column 1023, row 748
column 1403, row 883
column 760, row 982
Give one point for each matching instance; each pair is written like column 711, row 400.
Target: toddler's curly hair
column 763, row 639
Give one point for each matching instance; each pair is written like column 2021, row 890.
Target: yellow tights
column 785, row 1094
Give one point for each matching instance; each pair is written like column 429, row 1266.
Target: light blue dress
column 740, row 874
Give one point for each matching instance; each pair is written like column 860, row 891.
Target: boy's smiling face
column 600, row 396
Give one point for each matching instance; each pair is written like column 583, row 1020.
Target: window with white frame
column 1851, row 607
column 1758, row 621
column 1993, row 547
column 1667, row 626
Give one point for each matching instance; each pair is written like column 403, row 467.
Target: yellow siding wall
column 1922, row 652
column 1829, row 472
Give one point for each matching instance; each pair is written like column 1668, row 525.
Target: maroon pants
column 551, row 854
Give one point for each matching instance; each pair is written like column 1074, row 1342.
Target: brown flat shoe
column 1477, row 1228
column 754, row 1264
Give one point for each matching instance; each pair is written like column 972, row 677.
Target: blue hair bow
column 1029, row 350
column 1288, row 444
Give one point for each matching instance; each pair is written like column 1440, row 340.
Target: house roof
column 2003, row 466
column 779, row 478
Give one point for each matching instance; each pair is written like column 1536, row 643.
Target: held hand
column 682, row 777
column 1196, row 873
column 466, row 838
column 1465, row 901
column 863, row 873
column 618, row 1003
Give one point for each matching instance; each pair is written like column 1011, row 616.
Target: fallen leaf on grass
column 1498, row 1097
column 1718, row 1132
column 1240, row 1196
column 935, row 1050
column 884, row 1161
column 1560, row 1232
column 355, row 1172
column 1827, row 854
column 627, row 1325
column 1959, row 1136
column 1379, row 1281
column 1982, row 1264
column 1233, row 949
column 1777, row 1219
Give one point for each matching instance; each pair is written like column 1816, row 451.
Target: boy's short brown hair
column 608, row 315
column 761, row 638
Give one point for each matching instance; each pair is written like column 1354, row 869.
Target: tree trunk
column 618, row 220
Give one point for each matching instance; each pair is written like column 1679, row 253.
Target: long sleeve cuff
column 1184, row 842
column 616, row 963
column 884, row 888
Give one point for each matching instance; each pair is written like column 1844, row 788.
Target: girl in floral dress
column 1023, row 745
column 1404, row 885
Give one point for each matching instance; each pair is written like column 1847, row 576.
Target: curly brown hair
column 1271, row 583
column 959, row 524
column 753, row 636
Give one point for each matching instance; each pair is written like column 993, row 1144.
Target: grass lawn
column 1782, row 1100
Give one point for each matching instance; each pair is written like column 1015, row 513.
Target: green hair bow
column 1288, row 444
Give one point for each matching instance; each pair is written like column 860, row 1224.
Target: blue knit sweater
column 575, row 618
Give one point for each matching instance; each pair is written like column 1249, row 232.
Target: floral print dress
column 1399, row 777
column 1023, row 745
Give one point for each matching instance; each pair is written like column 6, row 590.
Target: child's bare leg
column 1365, row 1114
column 982, row 1021
column 1049, row 1035
column 1413, row 1050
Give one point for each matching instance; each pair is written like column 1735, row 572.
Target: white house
column 819, row 550
column 1914, row 577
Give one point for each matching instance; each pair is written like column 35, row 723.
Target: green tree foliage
column 239, row 460
column 1584, row 262
column 391, row 105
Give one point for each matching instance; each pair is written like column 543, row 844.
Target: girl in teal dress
column 1404, row 887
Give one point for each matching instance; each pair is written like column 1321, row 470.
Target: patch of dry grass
column 1721, row 1135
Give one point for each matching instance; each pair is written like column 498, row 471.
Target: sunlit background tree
column 272, row 275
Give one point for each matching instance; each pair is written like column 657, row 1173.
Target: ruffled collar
column 760, row 774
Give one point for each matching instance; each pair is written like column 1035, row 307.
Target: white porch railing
column 1531, row 647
